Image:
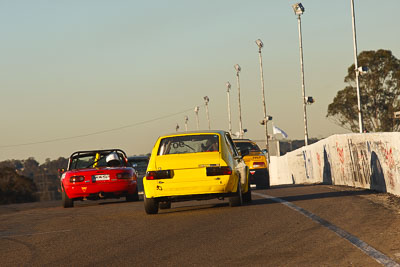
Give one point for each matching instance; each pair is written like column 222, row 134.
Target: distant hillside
column 15, row 188
column 27, row 180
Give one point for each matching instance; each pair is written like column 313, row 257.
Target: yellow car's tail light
column 224, row 170
column 258, row 164
column 155, row 175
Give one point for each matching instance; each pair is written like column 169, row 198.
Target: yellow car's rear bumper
column 170, row 187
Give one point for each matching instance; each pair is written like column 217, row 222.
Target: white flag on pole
column 277, row 130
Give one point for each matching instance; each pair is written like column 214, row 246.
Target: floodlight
column 186, row 118
column 228, row 86
column 362, row 70
column 259, row 43
column 206, row 99
column 298, row 9
column 196, row 109
column 309, row 100
column 237, row 68
column 265, row 120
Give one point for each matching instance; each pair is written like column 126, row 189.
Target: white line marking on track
column 40, row 233
column 364, row 247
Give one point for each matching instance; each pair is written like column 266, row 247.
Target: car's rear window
column 189, row 144
column 91, row 160
column 247, row 145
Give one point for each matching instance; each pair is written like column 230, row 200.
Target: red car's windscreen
column 92, row 160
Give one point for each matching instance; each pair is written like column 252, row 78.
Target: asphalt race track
column 310, row 225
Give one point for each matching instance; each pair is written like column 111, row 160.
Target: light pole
column 360, row 119
column 238, row 69
column 196, row 110
column 206, row 100
column 228, row 89
column 177, row 127
column 186, row 123
column 260, row 46
column 299, row 10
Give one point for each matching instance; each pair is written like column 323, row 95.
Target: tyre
column 67, row 202
column 237, row 200
column 165, row 205
column 263, row 183
column 150, row 205
column 133, row 197
column 247, row 195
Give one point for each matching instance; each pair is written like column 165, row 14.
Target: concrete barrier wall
column 369, row 160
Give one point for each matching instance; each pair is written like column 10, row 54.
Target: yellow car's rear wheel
column 247, row 195
column 150, row 205
column 238, row 199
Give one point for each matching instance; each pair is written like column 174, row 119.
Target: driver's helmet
column 210, row 145
column 113, row 160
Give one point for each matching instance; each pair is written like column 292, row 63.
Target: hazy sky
column 73, row 68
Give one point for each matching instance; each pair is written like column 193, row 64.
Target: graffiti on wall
column 389, row 160
column 360, row 166
column 308, row 164
column 362, row 160
column 319, row 162
column 340, row 152
column 385, row 152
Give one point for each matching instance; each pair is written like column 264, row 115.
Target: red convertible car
column 98, row 174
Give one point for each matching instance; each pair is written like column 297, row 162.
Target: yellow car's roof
column 243, row 140
column 220, row 132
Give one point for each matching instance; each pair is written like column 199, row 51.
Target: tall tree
column 379, row 93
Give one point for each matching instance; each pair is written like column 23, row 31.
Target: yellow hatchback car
column 195, row 166
column 256, row 161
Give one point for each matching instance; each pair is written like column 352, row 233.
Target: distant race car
column 195, row 166
column 256, row 161
column 139, row 163
column 98, row 174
